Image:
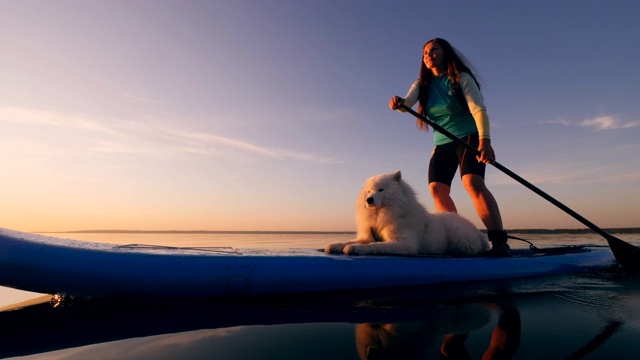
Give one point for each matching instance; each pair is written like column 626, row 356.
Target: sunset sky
column 270, row 115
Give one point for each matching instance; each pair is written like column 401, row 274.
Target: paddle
column 627, row 255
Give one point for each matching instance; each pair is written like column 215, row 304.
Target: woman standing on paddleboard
column 449, row 95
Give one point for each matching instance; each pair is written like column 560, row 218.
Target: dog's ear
column 397, row 176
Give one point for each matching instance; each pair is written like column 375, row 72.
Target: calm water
column 590, row 316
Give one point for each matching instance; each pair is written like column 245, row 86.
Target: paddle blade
column 627, row 255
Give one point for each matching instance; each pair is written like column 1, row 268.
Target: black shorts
column 446, row 158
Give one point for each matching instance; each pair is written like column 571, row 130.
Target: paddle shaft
column 511, row 174
column 617, row 246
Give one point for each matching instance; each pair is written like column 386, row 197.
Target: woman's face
column 433, row 57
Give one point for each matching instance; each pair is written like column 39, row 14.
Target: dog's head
column 378, row 187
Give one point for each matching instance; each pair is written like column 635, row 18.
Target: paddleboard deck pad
column 52, row 265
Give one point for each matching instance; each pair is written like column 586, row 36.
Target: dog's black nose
column 369, row 200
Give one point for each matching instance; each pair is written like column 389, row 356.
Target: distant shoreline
column 633, row 230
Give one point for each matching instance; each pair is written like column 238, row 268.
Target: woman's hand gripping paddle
column 627, row 255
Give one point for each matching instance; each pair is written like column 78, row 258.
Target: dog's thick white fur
column 390, row 220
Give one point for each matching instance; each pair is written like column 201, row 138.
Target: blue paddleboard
column 67, row 267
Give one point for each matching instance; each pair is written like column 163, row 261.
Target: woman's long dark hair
column 455, row 64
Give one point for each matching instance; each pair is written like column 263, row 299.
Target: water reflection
column 414, row 340
column 563, row 318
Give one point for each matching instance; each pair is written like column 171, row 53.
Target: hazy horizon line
column 120, row 231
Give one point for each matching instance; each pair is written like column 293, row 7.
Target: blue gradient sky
column 269, row 115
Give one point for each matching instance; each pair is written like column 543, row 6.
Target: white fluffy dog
column 390, row 220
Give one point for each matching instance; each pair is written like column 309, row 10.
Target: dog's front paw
column 355, row 249
column 334, row 248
